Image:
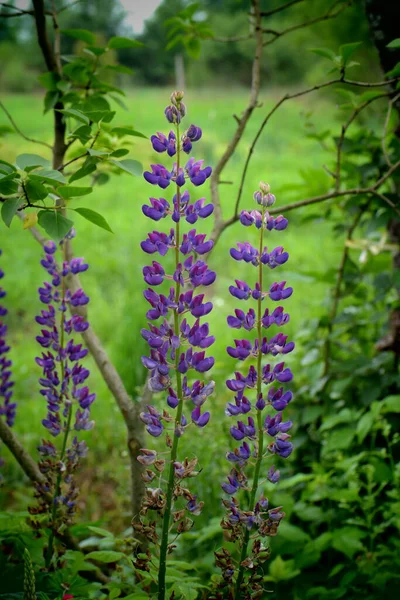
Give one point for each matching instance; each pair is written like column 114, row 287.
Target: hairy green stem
column 260, row 430
column 174, row 450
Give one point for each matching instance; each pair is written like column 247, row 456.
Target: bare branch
column 268, row 13
column 22, row 456
column 325, row 17
column 386, row 127
column 17, row 129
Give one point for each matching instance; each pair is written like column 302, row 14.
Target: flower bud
column 176, row 98
column 264, row 187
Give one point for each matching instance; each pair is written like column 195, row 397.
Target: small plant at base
column 257, row 520
column 61, row 386
column 176, row 346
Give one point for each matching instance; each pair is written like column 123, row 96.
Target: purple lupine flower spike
column 178, row 339
column 259, row 435
column 64, row 387
column 7, row 407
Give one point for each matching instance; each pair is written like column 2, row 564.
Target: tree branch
column 268, row 13
column 17, row 129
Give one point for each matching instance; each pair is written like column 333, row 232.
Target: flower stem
column 174, row 450
column 260, row 430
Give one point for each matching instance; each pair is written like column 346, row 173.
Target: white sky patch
column 138, row 11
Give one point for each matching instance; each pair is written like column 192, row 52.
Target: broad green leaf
column 83, row 172
column 364, row 426
column 347, row 50
column 130, row 166
column 27, row 162
column 119, row 69
column 395, row 72
column 8, row 186
column 100, row 115
column 81, row 34
column 394, row 44
column 68, row 191
column 348, row 540
column 325, row 52
column 391, row 404
column 117, row 42
column 35, row 190
column 95, row 50
column 98, row 153
column 83, row 133
column 193, row 47
column 9, row 208
column 119, row 153
column 49, row 176
column 49, row 80
column 50, row 100
column 121, row 131
column 100, row 531
column 94, row 217
column 6, row 167
column 75, row 114
column 55, row 224
column 105, row 556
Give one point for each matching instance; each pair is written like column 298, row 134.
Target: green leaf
column 347, row 540
column 394, row 44
column 119, row 153
column 100, row 531
column 6, row 167
column 75, row 114
column 8, row 187
column 83, row 133
column 67, row 191
column 117, row 42
column 193, row 47
column 81, row 34
column 130, row 166
column 48, row 80
column 105, row 556
column 364, row 426
column 121, row 131
column 391, row 404
column 324, row 52
column 94, row 217
column 55, row 224
column 101, row 115
column 35, row 190
column 50, row 100
column 49, row 176
column 83, row 171
column 97, row 153
column 9, row 208
column 119, row 69
column 347, row 50
column 395, row 72
column 27, row 162
column 95, row 50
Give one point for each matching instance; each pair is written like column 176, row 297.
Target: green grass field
column 114, row 281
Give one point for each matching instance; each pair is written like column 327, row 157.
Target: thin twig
column 268, row 13
column 17, row 129
column 57, row 38
column 326, row 17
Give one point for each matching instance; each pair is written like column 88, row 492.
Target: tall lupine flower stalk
column 62, row 385
column 260, row 428
column 7, row 407
column 177, row 343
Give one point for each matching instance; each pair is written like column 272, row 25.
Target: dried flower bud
column 264, row 187
column 176, row 97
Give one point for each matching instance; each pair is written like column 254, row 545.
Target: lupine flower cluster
column 7, row 407
column 179, row 340
column 258, row 426
column 63, row 386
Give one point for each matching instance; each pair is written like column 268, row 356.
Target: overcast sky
column 138, row 11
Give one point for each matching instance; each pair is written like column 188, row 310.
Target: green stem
column 174, row 450
column 260, row 429
column 49, row 552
